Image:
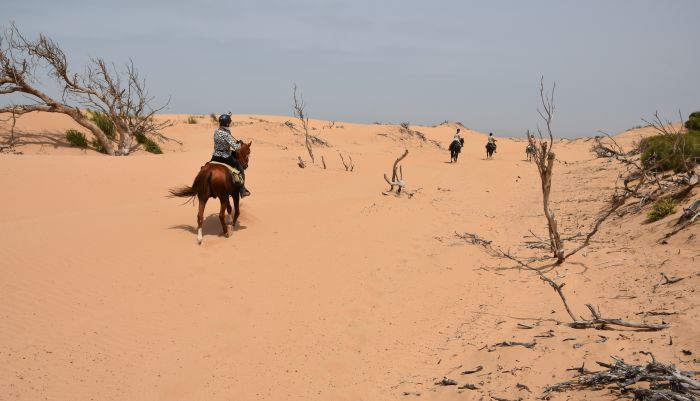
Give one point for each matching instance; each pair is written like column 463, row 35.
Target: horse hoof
column 227, row 235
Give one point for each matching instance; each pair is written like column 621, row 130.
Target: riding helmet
column 225, row 120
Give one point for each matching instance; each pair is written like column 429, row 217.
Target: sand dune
column 328, row 290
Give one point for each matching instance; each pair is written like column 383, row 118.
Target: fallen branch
column 668, row 281
column 396, row 175
column 667, row 382
column 516, row 343
column 597, row 320
column 475, row 370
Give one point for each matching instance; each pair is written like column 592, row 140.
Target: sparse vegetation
column 76, row 139
column 662, row 208
column 693, row 123
column 671, row 152
column 191, row 120
column 103, row 121
column 149, row 145
column 214, row 118
column 405, row 125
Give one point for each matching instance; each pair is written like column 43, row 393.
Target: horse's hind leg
column 236, row 208
column 229, row 220
column 222, row 214
column 200, row 219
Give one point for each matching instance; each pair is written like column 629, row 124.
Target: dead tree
column 652, row 182
column 544, row 158
column 596, row 320
column 121, row 96
column 396, row 175
column 349, row 166
column 300, row 113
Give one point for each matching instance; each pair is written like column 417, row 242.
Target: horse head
column 244, row 153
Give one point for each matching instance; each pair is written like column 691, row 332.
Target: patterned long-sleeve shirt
column 224, row 142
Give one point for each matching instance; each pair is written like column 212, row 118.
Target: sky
column 477, row 62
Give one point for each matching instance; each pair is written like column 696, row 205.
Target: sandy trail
column 328, row 290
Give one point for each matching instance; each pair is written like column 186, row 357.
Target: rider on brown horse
column 225, row 147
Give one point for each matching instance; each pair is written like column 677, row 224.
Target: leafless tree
column 121, row 96
column 300, row 113
column 596, row 320
column 544, row 158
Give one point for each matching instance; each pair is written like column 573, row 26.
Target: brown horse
column 215, row 181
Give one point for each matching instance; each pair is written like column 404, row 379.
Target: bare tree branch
column 596, row 321
column 122, row 97
column 299, row 112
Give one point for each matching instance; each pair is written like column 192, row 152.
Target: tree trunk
column 554, row 237
column 308, row 147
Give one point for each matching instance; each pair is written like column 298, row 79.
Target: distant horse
column 455, row 148
column 216, row 181
column 530, row 152
column 490, row 148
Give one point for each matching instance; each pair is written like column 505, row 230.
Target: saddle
column 237, row 177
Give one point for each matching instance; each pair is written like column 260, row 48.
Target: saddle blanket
column 237, row 177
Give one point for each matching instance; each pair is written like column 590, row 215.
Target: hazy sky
column 478, row 62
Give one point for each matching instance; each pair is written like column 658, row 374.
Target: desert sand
column 328, row 289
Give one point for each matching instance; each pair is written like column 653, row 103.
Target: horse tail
column 182, row 192
column 199, row 186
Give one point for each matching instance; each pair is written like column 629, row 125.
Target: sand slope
column 328, row 290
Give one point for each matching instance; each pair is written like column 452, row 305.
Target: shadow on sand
column 211, row 226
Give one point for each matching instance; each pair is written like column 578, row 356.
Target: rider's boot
column 244, row 192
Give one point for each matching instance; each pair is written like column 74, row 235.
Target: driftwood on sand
column 666, row 382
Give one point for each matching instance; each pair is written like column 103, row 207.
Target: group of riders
column 228, row 151
column 458, row 142
column 225, row 147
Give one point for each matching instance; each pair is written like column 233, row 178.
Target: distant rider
column 492, row 141
column 225, row 147
column 458, row 138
